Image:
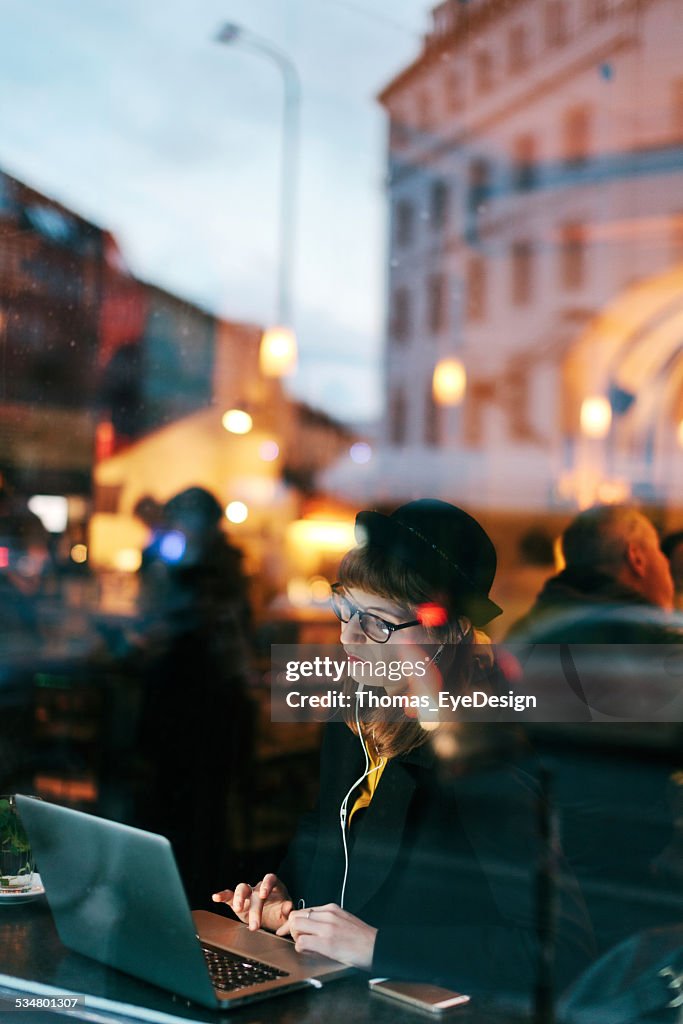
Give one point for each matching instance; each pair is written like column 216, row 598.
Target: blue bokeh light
column 172, row 546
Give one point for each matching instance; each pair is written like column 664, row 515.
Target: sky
column 131, row 114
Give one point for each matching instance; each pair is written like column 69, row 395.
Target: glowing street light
column 237, row 421
column 236, row 512
column 278, row 345
column 277, row 355
column 449, row 382
column 596, row 417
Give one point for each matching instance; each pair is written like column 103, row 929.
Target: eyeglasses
column 374, row 628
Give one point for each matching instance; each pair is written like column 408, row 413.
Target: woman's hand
column 266, row 905
column 333, row 932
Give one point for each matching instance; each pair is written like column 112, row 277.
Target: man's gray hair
column 598, row 537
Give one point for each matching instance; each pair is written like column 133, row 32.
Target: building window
column 397, row 418
column 424, row 110
column 444, row 20
column 576, row 131
column 401, row 315
column 517, row 403
column 597, row 10
column 479, row 183
column 518, row 49
column 399, row 133
column 455, row 98
column 476, row 289
column 437, row 303
column 405, row 222
column 438, row 204
column 483, row 71
column 572, row 255
column 479, row 396
column 677, row 108
column 432, row 418
column 524, row 172
column 521, row 283
column 556, row 23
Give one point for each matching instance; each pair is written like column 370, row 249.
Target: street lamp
column 449, row 382
column 278, row 344
column 596, row 417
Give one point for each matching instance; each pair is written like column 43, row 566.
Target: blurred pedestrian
column 195, row 719
column 24, row 560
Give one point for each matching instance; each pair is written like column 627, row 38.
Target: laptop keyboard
column 229, row 971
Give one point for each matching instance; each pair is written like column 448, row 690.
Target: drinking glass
column 16, row 859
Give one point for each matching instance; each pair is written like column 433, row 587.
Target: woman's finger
column 224, row 896
column 255, row 911
column 269, row 882
column 243, row 896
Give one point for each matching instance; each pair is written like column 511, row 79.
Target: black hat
column 445, row 545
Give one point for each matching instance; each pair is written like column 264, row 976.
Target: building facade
column 535, row 187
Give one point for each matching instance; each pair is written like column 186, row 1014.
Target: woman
column 403, row 869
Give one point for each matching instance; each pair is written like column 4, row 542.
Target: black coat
column 444, row 868
column 582, row 606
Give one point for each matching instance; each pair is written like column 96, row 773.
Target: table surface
column 31, row 951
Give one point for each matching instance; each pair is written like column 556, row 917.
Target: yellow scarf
column 370, row 784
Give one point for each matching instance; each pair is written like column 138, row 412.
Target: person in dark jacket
column 596, row 630
column 195, row 717
column 616, row 586
column 404, row 868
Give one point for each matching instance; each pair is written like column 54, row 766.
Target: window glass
column 264, row 267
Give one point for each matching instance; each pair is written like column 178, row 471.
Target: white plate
column 37, row 889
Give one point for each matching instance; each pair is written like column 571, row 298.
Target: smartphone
column 430, row 998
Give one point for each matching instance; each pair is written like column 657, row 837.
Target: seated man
column 616, row 586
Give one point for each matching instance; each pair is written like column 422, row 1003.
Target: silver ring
column 309, row 913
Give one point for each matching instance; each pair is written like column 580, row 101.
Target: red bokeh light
column 432, row 615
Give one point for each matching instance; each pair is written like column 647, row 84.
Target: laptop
column 116, row 896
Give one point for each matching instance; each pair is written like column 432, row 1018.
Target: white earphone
column 366, row 772
column 344, row 804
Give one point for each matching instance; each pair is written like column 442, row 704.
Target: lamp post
column 278, row 344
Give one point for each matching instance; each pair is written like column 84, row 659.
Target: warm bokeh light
column 237, row 421
column 360, row 452
column 105, row 438
column 236, row 512
column 269, row 451
column 613, row 492
column 128, row 560
column 52, row 510
column 323, row 534
column 278, row 352
column 449, row 382
column 79, row 554
column 680, row 433
column 596, row 417
column 320, row 589
column 298, row 592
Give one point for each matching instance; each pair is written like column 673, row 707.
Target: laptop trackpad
column 235, row 936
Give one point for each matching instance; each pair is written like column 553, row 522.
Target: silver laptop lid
column 116, row 895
